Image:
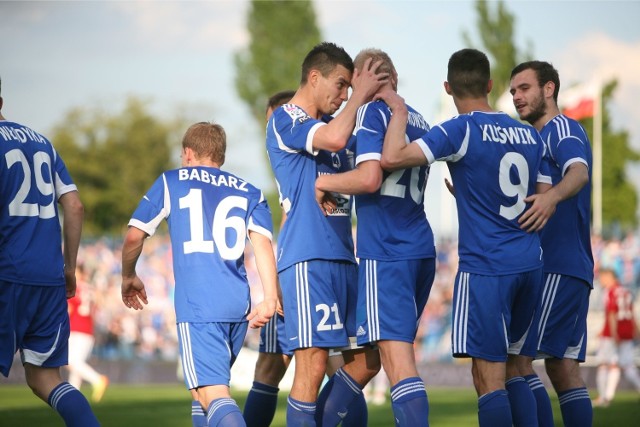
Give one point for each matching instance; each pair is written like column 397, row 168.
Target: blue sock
column 334, row 401
column 494, row 409
column 543, row 403
column 358, row 415
column 300, row 414
column 409, row 403
column 260, row 407
column 523, row 403
column 576, row 408
column 224, row 412
column 72, row 406
column 198, row 417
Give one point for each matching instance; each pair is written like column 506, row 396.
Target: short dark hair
column 277, row 99
column 544, row 73
column 324, row 57
column 468, row 73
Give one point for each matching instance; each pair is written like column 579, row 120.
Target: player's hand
column 262, row 313
column 326, row 201
column 70, row 282
column 367, row 81
column 133, row 293
column 392, row 99
column 450, row 187
column 542, row 207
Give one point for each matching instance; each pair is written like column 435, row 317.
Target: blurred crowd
column 150, row 334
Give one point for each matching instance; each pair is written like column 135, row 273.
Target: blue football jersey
column 392, row 224
column 209, row 213
column 307, row 233
column 495, row 162
column 566, row 238
column 32, row 179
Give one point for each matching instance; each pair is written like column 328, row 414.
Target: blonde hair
column 376, row 55
column 207, row 140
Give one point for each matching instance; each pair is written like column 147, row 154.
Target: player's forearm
column 72, row 227
column 576, row 177
column 357, row 181
column 266, row 264
column 131, row 250
column 335, row 135
column 394, row 141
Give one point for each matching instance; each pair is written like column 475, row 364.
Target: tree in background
column 282, row 33
column 496, row 30
column 114, row 159
column 620, row 196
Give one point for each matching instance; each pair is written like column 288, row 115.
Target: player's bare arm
column 543, row 204
column 132, row 289
column 266, row 265
column 335, row 135
column 365, row 178
column 396, row 153
column 72, row 231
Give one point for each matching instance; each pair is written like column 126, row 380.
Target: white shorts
column 620, row 354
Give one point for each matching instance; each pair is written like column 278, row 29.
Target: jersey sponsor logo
column 296, row 113
column 511, row 134
column 206, row 177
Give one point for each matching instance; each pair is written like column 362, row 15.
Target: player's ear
column 489, row 86
column 314, row 76
column 447, row 88
column 549, row 89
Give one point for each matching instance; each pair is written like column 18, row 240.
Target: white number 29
column 17, row 206
column 221, row 221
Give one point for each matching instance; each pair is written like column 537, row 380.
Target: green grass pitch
column 170, row 406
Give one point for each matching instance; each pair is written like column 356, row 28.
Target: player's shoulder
column 292, row 112
column 15, row 131
column 562, row 127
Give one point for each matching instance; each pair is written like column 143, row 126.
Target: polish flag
column 578, row 102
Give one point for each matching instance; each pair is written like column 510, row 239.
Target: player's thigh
column 45, row 340
column 391, row 298
column 208, row 350
column 563, row 324
column 80, row 346
column 607, row 353
column 315, row 298
column 626, row 353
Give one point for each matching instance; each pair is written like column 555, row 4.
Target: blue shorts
column 391, row 298
column 208, row 350
column 562, row 325
column 34, row 320
column 273, row 337
column 492, row 315
column 319, row 303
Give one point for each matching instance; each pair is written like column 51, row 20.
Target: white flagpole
column 597, row 163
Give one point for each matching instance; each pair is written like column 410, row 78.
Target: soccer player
column 395, row 247
column 36, row 277
column 566, row 241
column 494, row 162
column 316, row 260
column 617, row 348
column 81, row 339
column 210, row 214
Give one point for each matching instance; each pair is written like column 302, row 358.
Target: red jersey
column 618, row 301
column 80, row 310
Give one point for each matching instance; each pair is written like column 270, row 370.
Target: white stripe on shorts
column 461, row 315
column 305, row 327
column 548, row 296
column 371, row 283
column 188, row 366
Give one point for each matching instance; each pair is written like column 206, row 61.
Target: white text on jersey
column 511, row 135
column 204, row 176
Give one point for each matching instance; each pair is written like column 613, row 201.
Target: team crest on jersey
column 296, row 113
column 335, row 160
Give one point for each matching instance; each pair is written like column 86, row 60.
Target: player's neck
column 468, row 105
column 551, row 112
column 304, row 99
